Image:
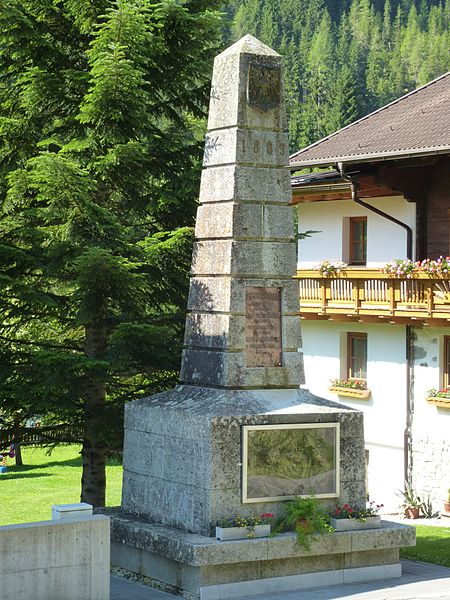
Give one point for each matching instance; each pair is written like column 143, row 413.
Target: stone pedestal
column 182, row 459
column 201, row 568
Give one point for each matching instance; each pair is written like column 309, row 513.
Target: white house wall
column 431, row 425
column 385, row 240
column 324, row 348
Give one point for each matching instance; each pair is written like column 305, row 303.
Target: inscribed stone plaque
column 263, row 326
column 264, row 87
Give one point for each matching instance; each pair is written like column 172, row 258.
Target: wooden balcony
column 368, row 295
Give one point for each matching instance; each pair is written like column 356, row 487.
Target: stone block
column 372, row 573
column 228, row 101
column 168, row 457
column 245, row 146
column 292, row 336
column 159, row 414
column 243, row 258
column 305, row 564
column 245, row 183
column 223, row 294
column 278, row 222
column 371, row 558
column 219, row 574
column 128, row 557
column 212, row 330
column 212, row 257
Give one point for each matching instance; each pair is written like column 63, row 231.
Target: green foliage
column 101, row 120
column 307, row 517
column 345, row 59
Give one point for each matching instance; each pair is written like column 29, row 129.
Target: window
column 357, row 355
column 446, row 370
column 358, row 241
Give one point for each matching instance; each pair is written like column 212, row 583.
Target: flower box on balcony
column 441, row 402
column 350, row 392
column 353, row 524
column 241, row 533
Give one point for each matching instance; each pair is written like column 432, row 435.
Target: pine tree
column 100, row 106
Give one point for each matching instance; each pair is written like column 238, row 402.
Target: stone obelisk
column 242, row 330
column 241, row 364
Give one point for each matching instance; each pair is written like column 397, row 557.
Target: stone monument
column 185, row 460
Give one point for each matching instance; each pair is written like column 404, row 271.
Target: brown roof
column 415, row 124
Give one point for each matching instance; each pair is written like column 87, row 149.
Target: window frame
column 352, row 242
column 446, row 365
column 351, row 335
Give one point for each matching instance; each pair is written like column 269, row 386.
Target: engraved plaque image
column 263, row 326
column 284, row 461
column 263, row 87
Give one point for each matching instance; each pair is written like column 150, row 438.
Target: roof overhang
column 375, row 157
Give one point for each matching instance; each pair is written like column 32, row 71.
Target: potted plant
column 447, row 502
column 328, row 268
column 353, row 388
column 439, row 398
column 348, row 518
column 412, row 503
column 241, row 527
column 307, row 517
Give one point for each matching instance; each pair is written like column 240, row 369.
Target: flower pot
column 412, row 512
column 226, row 534
column 447, row 506
column 304, row 525
column 440, row 402
column 349, row 392
column 354, row 524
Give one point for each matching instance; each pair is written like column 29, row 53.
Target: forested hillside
column 345, row 58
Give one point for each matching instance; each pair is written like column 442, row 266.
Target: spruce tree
column 101, row 104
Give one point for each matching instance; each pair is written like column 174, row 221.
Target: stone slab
column 245, row 184
column 65, row 559
column 224, row 294
column 244, row 221
column 244, row 258
column 245, row 146
column 206, row 565
column 297, row 583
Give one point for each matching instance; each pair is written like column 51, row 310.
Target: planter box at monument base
column 354, row 524
column 241, row 533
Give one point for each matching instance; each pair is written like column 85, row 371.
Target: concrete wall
column 328, row 218
column 431, row 425
column 56, row 560
column 324, row 348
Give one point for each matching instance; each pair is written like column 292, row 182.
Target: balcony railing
column 369, row 292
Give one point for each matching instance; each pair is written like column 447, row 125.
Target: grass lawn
column 27, row 493
column 433, row 546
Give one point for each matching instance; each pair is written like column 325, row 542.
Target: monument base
column 203, row 568
column 183, row 453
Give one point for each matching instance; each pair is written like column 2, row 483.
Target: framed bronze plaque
column 280, row 462
column 263, row 326
column 263, row 87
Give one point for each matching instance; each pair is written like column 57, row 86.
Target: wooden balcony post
column 391, row 295
column 430, row 298
column 323, row 293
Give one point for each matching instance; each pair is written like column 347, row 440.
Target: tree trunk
column 18, row 451
column 93, row 481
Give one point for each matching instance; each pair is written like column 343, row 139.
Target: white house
column 384, row 195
